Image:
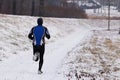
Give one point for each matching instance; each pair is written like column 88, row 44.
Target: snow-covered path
column 22, row 67
column 56, row 54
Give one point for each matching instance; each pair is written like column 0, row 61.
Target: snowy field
column 78, row 49
column 103, row 12
column 96, row 58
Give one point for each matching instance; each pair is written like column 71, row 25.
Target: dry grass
column 97, row 59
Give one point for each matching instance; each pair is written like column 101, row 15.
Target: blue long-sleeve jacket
column 38, row 34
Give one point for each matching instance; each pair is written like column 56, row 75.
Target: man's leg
column 42, row 50
column 35, row 53
column 33, row 50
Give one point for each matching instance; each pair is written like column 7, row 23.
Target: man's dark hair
column 40, row 21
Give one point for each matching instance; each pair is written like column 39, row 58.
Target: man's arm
column 47, row 34
column 30, row 35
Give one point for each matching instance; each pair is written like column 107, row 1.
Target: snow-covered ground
column 96, row 58
column 77, row 48
column 103, row 11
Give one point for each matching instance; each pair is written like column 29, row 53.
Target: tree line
column 25, row 7
column 57, row 8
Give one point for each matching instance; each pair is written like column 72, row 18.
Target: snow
column 97, row 57
column 72, row 51
column 103, row 11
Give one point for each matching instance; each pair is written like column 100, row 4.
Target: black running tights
column 41, row 50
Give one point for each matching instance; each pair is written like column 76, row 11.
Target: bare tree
column 32, row 11
column 119, row 5
column 41, row 10
column 14, row 6
column 1, row 4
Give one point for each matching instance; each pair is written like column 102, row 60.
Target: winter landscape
column 79, row 49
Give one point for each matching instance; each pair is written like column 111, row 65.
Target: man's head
column 40, row 21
